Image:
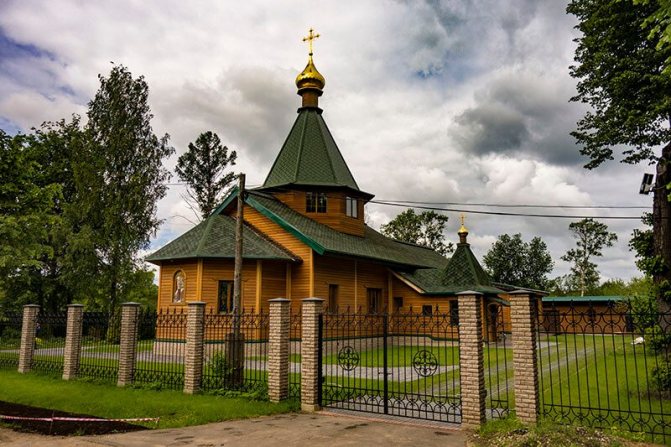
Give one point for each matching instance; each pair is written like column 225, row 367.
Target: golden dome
column 310, row 77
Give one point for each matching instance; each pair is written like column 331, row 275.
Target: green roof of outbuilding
column 310, row 156
column 463, row 272
column 325, row 240
column 215, row 238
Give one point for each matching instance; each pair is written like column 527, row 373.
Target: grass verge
column 104, row 400
column 510, row 432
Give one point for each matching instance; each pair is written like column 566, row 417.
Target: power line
column 502, row 213
column 500, row 205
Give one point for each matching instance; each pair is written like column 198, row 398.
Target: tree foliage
column 203, row 168
column 523, row 264
column 425, row 229
column 591, row 238
column 620, row 75
column 119, row 178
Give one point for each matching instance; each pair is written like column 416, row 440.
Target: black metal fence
column 50, row 342
column 160, row 348
column 403, row 364
column 236, row 352
column 295, row 354
column 498, row 361
column 100, row 346
column 10, row 339
column 606, row 366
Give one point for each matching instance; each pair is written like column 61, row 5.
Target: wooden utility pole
column 237, row 274
column 235, row 346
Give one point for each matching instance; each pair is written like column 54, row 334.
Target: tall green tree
column 24, row 216
column 425, row 229
column 203, row 167
column 523, row 264
column 119, row 179
column 591, row 238
column 622, row 71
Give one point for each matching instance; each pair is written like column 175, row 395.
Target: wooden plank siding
column 166, row 276
column 300, row 273
column 335, row 215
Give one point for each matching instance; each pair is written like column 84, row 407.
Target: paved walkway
column 320, row 429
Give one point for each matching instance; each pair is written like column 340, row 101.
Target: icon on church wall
column 178, row 287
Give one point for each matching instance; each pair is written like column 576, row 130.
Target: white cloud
column 415, row 94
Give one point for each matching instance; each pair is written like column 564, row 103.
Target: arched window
column 178, row 287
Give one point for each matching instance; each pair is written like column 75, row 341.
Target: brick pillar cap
column 196, row 303
column 280, row 300
column 31, row 305
column 75, row 305
column 131, row 304
column 469, row 292
column 312, row 300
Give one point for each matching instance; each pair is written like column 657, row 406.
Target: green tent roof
column 310, row 157
column 325, row 240
column 463, row 272
column 215, row 238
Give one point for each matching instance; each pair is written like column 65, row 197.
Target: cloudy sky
column 454, row 101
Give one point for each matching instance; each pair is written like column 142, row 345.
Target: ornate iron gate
column 402, row 364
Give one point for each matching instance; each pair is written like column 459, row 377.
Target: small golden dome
column 310, row 77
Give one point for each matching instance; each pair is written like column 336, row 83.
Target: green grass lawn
column 173, row 407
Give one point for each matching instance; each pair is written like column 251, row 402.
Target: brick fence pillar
column 312, row 309
column 28, row 329
column 73, row 341
column 525, row 363
column 130, row 314
column 471, row 360
column 193, row 357
column 278, row 350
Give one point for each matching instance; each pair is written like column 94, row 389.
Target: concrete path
column 320, row 429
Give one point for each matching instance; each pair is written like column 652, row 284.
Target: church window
column 374, row 300
column 454, row 313
column 427, row 310
column 351, row 206
column 178, row 287
column 225, row 297
column 398, row 303
column 333, row 299
column 315, row 202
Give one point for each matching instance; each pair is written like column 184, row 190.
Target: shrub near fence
column 591, row 372
column 236, row 352
column 50, row 342
column 100, row 346
column 10, row 339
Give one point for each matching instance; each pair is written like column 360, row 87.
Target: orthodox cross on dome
column 309, row 38
column 463, row 231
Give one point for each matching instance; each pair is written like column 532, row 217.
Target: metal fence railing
column 498, row 361
column 606, row 366
column 10, row 339
column 295, row 354
column 402, row 364
column 236, row 352
column 160, row 348
column 49, row 342
column 100, row 346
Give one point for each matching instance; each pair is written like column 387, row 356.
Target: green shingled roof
column 463, row 272
column 325, row 240
column 215, row 238
column 589, row 299
column 310, row 156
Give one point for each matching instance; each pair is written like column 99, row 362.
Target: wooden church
column 304, row 236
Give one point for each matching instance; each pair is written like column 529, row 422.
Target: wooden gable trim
column 407, row 283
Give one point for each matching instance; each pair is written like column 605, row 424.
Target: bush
column 220, row 369
column 661, row 377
